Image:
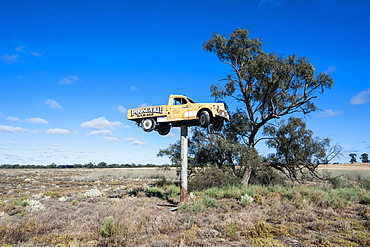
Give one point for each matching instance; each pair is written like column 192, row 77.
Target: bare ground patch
column 354, row 166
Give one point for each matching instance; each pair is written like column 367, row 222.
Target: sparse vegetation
column 136, row 211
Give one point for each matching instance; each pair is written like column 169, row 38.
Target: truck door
column 178, row 110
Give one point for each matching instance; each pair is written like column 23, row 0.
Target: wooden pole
column 184, row 164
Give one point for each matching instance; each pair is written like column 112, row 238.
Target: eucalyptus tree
column 298, row 153
column 268, row 86
column 353, row 158
column 364, row 158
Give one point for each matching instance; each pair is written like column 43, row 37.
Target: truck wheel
column 164, row 131
column 148, row 124
column 204, row 119
column 218, row 123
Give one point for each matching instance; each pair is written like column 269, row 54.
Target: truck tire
column 148, row 124
column 164, row 130
column 204, row 119
column 218, row 123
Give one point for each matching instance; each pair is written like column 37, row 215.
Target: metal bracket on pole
column 184, row 164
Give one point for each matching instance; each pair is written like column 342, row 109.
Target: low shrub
column 162, row 182
column 266, row 175
column 211, row 177
column 365, row 183
column 21, row 202
column 200, row 205
column 339, row 182
column 246, row 200
column 224, row 192
column 155, row 192
column 52, row 194
column 107, row 227
column 261, row 230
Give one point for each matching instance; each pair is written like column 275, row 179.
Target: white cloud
column 37, row 54
column 53, row 104
column 101, row 123
column 14, row 119
column 133, row 88
column 328, row 113
column 121, row 109
column 10, row 129
column 171, row 135
column 136, row 141
column 331, row 70
column 143, row 105
column 361, row 98
column 20, row 48
column 69, row 79
column 36, row 120
column 8, row 59
column 100, row 132
column 111, row 139
column 58, row 131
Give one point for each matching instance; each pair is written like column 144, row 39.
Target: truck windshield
column 191, row 101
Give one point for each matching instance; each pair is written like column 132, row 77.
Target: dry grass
column 108, row 208
column 348, row 166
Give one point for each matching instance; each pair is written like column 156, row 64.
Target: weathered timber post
column 184, row 164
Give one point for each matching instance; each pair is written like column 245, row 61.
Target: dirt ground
column 348, row 166
column 128, row 207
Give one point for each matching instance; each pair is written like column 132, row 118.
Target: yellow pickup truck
column 180, row 111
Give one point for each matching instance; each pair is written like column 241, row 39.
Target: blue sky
column 69, row 70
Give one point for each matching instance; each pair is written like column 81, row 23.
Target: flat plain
column 140, row 207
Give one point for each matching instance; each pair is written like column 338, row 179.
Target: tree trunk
column 247, row 175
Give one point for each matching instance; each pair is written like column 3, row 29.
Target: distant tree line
column 80, row 166
column 364, row 158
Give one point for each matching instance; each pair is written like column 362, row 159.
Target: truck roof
column 181, row 96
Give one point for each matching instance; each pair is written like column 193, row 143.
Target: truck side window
column 179, row 101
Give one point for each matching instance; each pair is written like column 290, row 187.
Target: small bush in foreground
column 339, row 182
column 246, row 199
column 200, row 205
column 211, row 177
column 107, row 227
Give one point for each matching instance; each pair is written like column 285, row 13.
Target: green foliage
column 364, row 158
column 365, row 183
column 268, row 86
column 200, row 205
column 74, row 202
column 264, row 174
column 298, row 153
column 246, row 200
column 211, row 177
column 52, row 194
column 226, row 192
column 365, row 199
column 107, row 228
column 299, row 195
column 353, row 158
column 155, row 192
column 21, row 202
column 339, row 182
column 162, row 182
